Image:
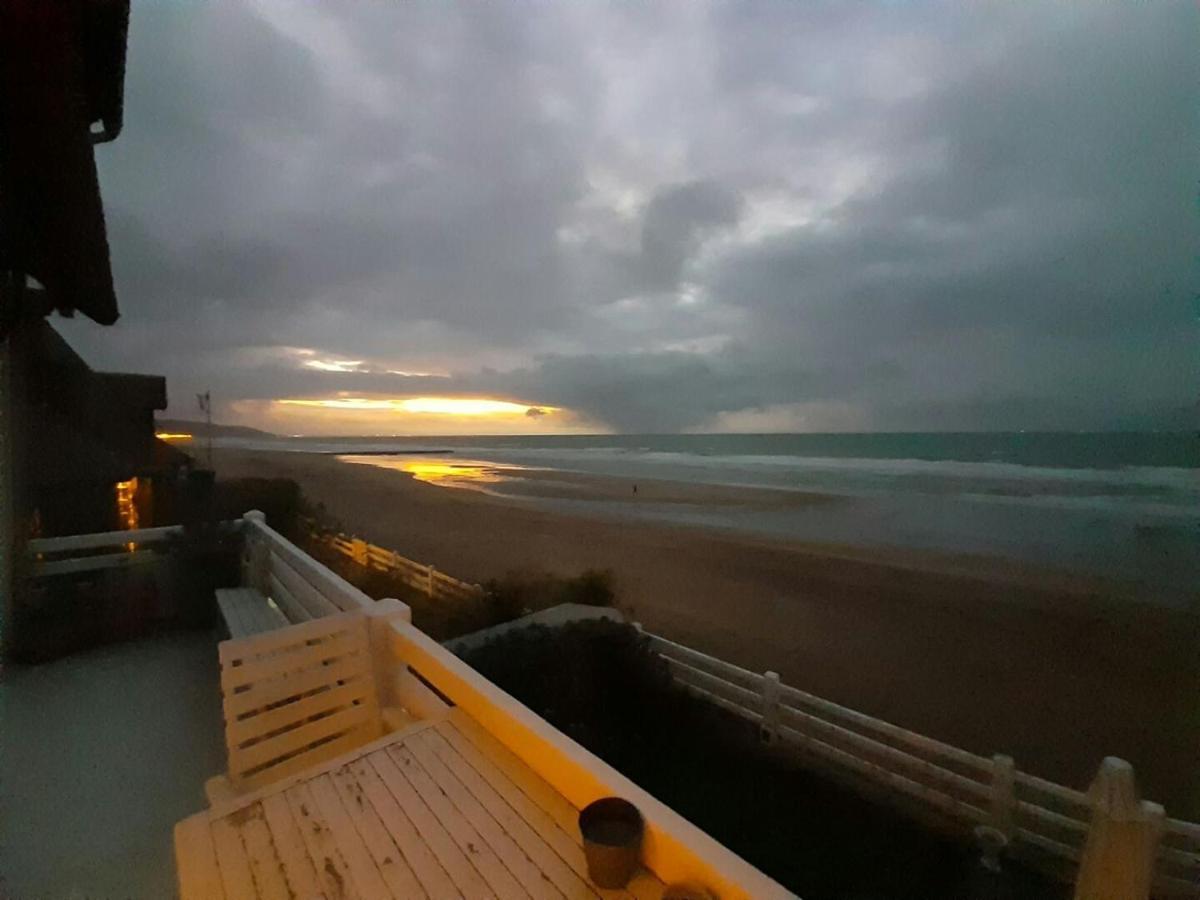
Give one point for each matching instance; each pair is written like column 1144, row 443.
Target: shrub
column 609, row 691
column 278, row 498
column 601, row 684
column 593, row 588
column 517, row 593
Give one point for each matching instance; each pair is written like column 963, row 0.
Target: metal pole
column 208, row 415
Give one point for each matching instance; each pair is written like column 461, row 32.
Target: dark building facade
column 68, row 435
column 84, row 454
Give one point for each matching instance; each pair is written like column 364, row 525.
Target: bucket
column 612, row 841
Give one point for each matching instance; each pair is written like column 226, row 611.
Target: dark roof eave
column 62, row 67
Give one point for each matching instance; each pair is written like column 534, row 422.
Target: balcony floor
column 101, row 753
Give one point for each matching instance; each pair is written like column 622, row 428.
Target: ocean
column 1122, row 504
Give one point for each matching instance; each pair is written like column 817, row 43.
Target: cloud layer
column 665, row 216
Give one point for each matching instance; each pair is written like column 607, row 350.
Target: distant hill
column 200, row 429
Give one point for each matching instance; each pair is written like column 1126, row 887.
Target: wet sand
column 511, row 481
column 1057, row 670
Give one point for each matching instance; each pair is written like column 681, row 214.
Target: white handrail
column 314, row 571
column 1058, row 831
column 136, row 549
column 673, row 848
column 103, row 539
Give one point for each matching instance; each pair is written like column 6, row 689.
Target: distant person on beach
column 635, row 490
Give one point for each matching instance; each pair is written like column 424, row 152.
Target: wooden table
column 439, row 809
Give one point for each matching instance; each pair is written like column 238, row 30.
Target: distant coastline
column 201, row 429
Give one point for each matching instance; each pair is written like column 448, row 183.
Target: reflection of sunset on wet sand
column 514, row 481
column 470, row 474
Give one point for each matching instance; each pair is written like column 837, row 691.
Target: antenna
column 205, row 401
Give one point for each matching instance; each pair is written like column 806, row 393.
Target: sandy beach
column 1056, row 670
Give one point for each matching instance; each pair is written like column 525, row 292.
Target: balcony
column 460, row 790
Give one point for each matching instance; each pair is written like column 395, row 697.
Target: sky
column 632, row 216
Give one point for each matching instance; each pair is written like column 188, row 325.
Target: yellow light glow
column 466, row 406
column 127, row 507
column 343, row 403
column 334, row 365
column 172, row 436
column 443, row 406
column 449, row 473
column 442, row 472
column 346, row 412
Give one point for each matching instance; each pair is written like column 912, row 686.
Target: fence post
column 380, row 632
column 1004, row 798
column 429, row 570
column 255, row 553
column 769, row 729
column 1118, row 856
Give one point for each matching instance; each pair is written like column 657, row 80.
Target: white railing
column 423, row 677
column 300, row 586
column 138, row 547
column 417, row 674
column 1030, row 813
column 419, row 576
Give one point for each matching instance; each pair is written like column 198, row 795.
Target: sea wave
column 1141, row 488
column 1156, row 486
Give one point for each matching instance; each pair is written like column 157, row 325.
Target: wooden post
column 429, row 570
column 379, row 624
column 1004, row 799
column 1118, row 856
column 769, row 729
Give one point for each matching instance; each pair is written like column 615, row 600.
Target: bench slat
column 247, row 612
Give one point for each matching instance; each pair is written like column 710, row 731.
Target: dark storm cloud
column 662, row 216
column 674, row 224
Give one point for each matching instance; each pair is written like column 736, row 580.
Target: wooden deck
column 439, row 810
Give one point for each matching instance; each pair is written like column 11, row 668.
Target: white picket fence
column 419, row 576
column 1038, row 817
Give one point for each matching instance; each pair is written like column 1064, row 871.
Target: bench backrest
column 302, row 588
column 297, row 696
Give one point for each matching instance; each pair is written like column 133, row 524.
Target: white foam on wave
column 1151, row 490
column 1157, row 488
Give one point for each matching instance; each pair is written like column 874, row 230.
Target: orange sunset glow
column 455, row 473
column 426, row 414
column 448, row 406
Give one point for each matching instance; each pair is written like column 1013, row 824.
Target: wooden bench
column 247, row 612
column 281, row 586
column 295, row 697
